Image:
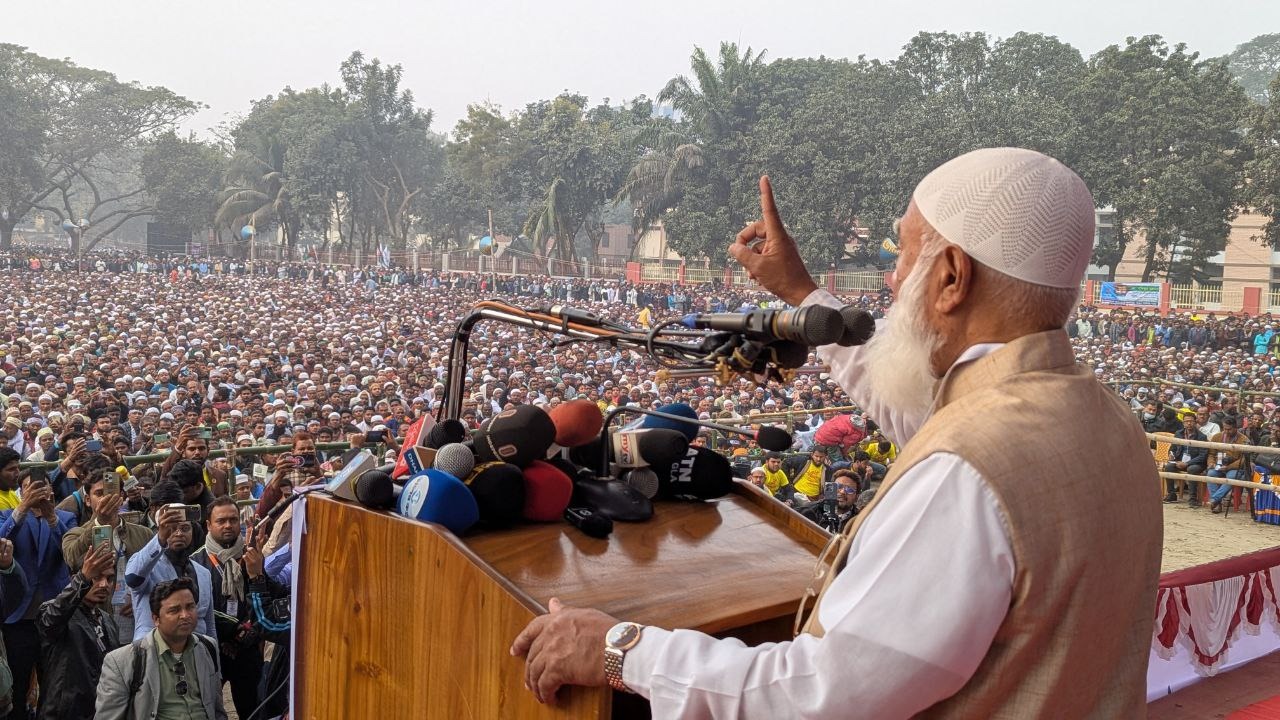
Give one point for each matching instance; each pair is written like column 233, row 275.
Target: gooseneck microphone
column 811, row 325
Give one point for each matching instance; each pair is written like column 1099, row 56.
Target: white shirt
column 893, row 644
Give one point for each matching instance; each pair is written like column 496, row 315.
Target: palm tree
column 715, row 104
column 257, row 192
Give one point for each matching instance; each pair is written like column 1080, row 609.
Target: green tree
column 1255, row 64
column 1263, row 169
column 84, row 129
column 1158, row 138
column 685, row 175
column 183, row 176
column 401, row 158
column 576, row 161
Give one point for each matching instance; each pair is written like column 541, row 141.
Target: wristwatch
column 620, row 638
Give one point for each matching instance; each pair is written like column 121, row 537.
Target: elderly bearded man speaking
column 999, row 572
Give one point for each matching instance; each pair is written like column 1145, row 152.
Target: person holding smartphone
column 77, row 631
column 167, row 556
column 36, row 529
column 127, row 539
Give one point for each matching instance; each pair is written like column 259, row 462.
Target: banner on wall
column 1139, row 294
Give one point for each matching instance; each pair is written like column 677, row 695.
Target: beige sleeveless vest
column 1075, row 480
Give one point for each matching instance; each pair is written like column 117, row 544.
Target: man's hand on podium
column 563, row 647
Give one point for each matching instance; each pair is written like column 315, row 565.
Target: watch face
column 622, row 635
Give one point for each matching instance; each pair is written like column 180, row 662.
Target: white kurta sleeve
column 847, row 369
column 927, row 583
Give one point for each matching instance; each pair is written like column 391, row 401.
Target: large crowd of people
column 135, row 355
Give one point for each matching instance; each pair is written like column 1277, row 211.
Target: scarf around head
column 228, row 565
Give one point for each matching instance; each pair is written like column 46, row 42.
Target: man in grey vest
column 975, row 584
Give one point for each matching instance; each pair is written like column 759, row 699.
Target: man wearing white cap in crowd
column 971, row 585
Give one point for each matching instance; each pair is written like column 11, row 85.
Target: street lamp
column 246, row 233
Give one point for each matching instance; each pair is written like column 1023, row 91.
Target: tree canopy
column 1174, row 144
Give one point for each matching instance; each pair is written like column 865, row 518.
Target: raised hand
column 769, row 254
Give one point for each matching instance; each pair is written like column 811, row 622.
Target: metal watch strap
column 613, row 669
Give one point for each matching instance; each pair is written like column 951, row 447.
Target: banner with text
column 1140, row 294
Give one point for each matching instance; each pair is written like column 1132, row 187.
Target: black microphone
column 773, row 438
column 811, row 325
column 590, row 523
column 859, row 326
column 375, row 489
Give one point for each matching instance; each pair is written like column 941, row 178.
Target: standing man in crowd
column 968, row 373
column 165, row 557
column 240, row 652
column 179, row 667
column 36, row 528
column 76, row 633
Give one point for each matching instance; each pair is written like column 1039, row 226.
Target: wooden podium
column 400, row 619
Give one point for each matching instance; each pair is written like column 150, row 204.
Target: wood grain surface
column 400, row 619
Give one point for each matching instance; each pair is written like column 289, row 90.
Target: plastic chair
column 1161, row 455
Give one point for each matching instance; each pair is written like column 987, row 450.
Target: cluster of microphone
column 530, row 465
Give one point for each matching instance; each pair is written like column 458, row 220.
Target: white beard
column 898, row 356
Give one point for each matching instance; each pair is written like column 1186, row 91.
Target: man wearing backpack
column 171, row 672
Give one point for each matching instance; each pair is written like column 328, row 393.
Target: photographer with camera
column 167, row 556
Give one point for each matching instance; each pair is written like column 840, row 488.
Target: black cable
column 268, row 699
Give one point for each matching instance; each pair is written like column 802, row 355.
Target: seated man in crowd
column 809, row 479
column 1225, row 463
column 1186, row 459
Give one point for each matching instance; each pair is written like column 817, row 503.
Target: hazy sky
column 225, row 54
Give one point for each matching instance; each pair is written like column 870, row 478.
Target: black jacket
column 71, row 651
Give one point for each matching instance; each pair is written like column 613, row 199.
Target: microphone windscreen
column 455, row 459
column 859, row 326
column 647, row 448
column 518, row 436
column 438, row 497
column 445, row 432
column 577, row 422
column 690, row 430
column 547, row 491
column 499, row 492
column 702, row 474
column 374, row 489
column 773, row 438
column 818, row 324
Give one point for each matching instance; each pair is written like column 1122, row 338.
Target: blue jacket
column 149, row 567
column 38, row 549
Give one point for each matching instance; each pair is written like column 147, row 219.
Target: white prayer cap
column 1019, row 212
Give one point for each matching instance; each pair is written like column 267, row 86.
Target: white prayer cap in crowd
column 1017, row 211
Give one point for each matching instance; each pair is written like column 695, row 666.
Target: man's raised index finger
column 768, row 209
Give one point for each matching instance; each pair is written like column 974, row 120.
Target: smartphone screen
column 93, row 446
column 102, row 535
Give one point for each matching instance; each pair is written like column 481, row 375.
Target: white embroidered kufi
column 1019, row 212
